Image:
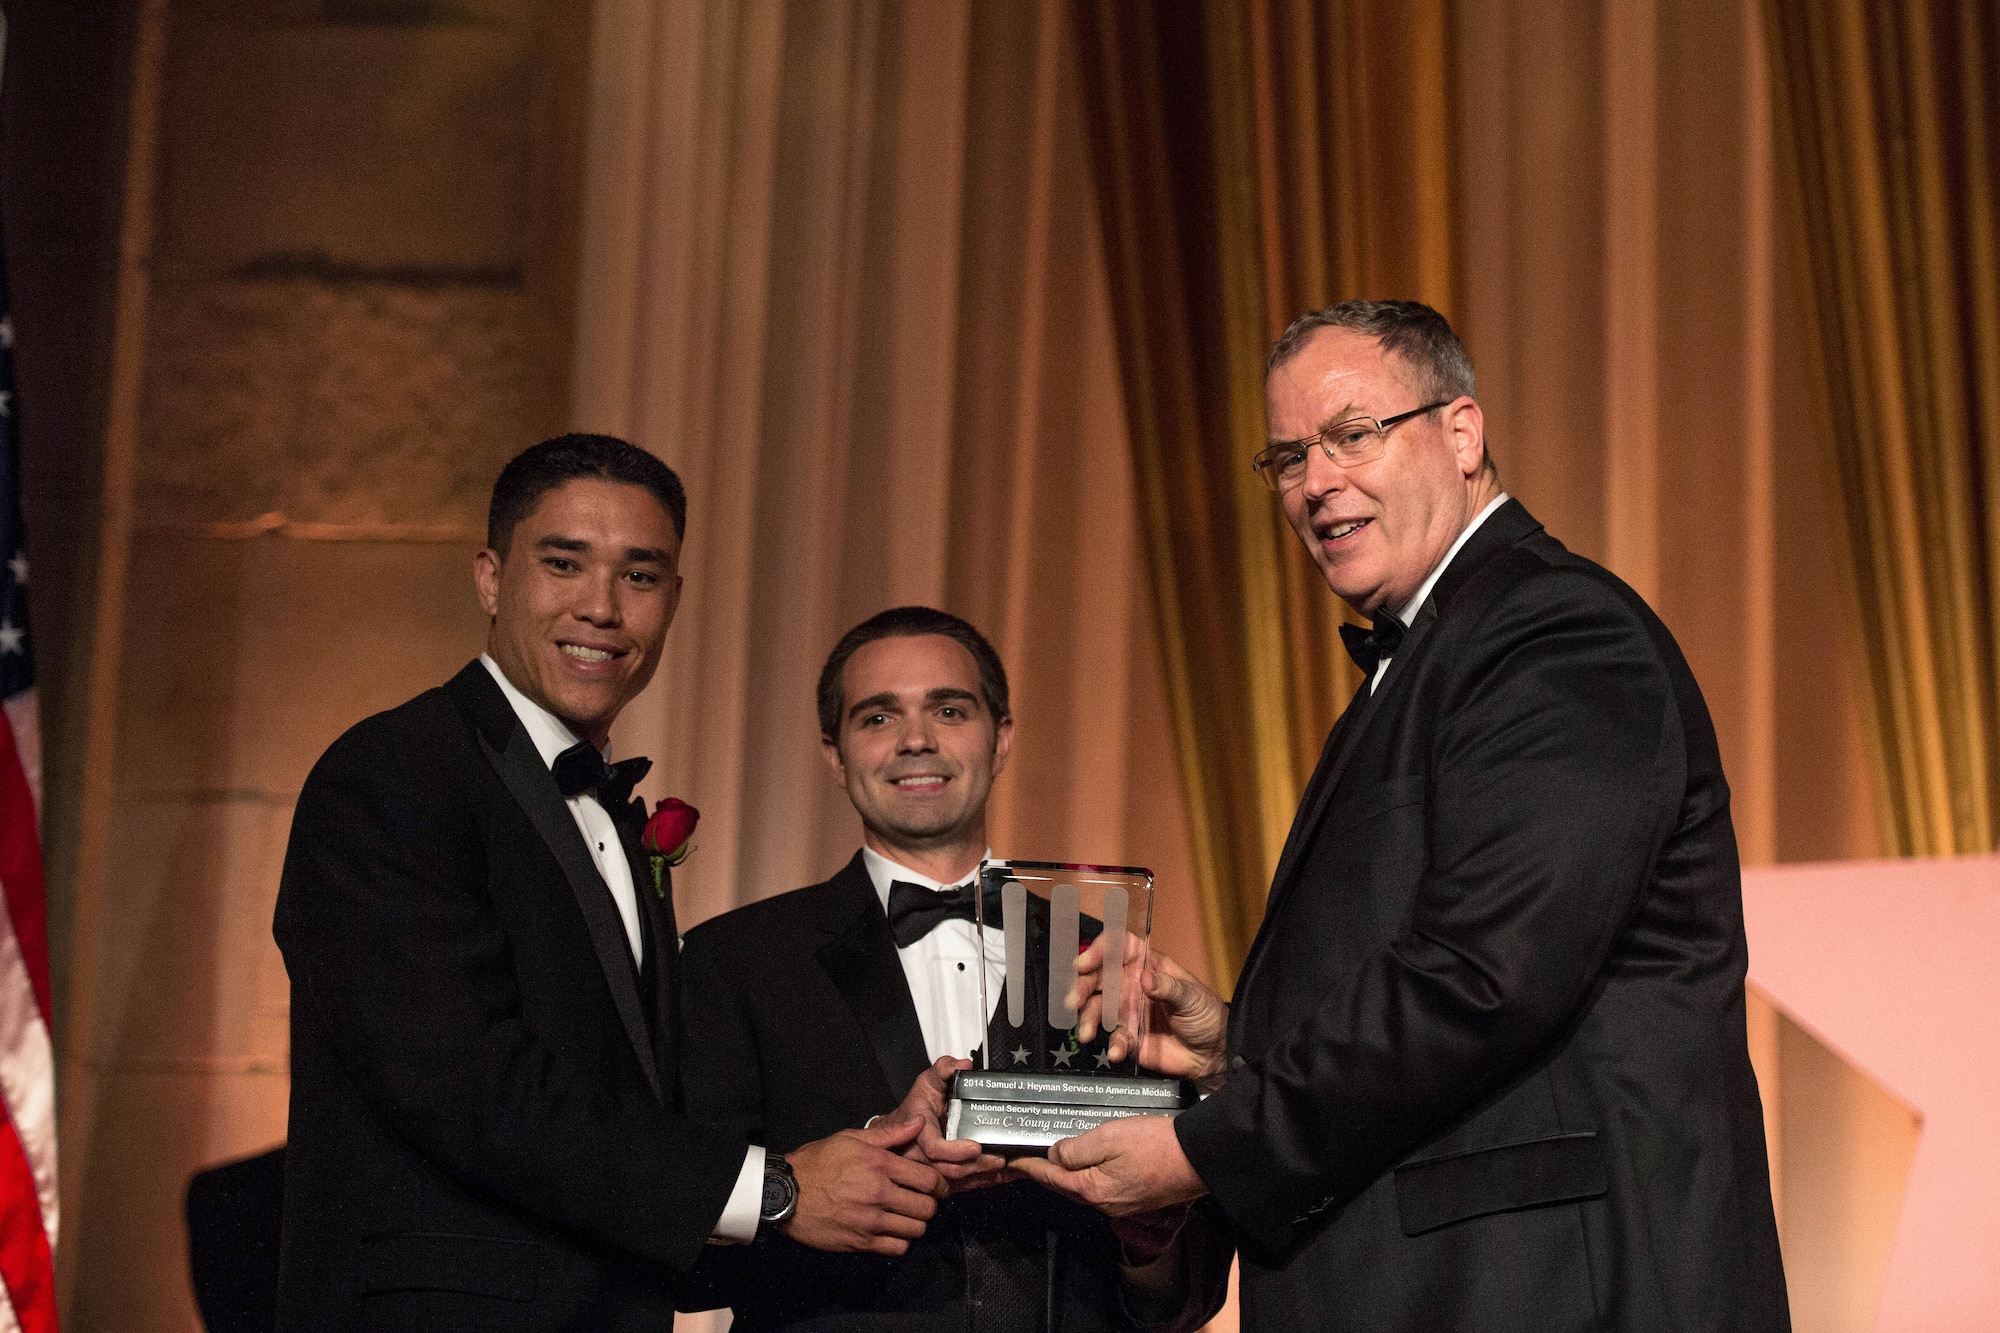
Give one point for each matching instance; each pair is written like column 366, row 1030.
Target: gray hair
column 1410, row 329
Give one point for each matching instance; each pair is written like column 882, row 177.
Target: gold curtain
column 1253, row 161
column 1885, row 112
column 839, row 267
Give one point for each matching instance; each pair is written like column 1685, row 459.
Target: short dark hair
column 904, row 622
column 1410, row 329
column 536, row 471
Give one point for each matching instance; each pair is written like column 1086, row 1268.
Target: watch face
column 781, row 1193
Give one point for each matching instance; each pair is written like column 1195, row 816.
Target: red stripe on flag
column 25, row 1263
column 21, row 869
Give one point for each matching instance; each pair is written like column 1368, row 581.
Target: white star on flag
column 18, row 567
column 28, row 1194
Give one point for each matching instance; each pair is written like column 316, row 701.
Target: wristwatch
column 781, row 1194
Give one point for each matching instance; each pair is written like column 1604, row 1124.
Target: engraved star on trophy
column 1036, row 1081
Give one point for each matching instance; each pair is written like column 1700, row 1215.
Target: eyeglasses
column 1346, row 443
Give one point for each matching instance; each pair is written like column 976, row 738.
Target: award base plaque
column 1015, row 1114
column 1045, row 1071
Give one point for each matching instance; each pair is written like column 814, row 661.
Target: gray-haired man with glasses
column 1485, row 1065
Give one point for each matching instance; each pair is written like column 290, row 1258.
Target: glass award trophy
column 1045, row 1070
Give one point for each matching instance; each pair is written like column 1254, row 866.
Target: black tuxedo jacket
column 484, row 1131
column 1488, row 1066
column 800, row 1024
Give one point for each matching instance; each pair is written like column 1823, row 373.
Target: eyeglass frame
column 1383, row 425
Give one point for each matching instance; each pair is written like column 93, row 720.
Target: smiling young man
column 808, row 1012
column 485, row 1126
column 1485, row 1066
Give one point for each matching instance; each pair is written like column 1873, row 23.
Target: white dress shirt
column 943, row 967
column 551, row 737
column 1408, row 614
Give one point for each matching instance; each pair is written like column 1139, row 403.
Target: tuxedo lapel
column 1311, row 802
column 1505, row 526
column 1365, row 709
column 1510, row 523
column 656, row 905
column 515, row 759
column 859, row 957
column 1332, row 758
column 1340, row 749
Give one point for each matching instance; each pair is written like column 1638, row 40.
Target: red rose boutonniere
column 668, row 838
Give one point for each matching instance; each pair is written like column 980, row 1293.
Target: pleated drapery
column 840, row 268
column 1885, row 112
column 1253, row 161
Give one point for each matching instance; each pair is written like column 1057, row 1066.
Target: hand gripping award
column 1076, row 939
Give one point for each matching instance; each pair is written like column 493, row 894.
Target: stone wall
column 62, row 142
column 358, row 215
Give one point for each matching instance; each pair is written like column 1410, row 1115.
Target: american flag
column 27, row 1066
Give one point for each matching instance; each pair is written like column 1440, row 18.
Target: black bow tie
column 581, row 768
column 1369, row 646
column 915, row 911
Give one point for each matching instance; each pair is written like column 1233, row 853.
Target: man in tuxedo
column 485, row 1125
column 808, row 1011
column 1485, row 1066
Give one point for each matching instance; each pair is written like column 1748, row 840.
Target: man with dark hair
column 911, row 622
column 485, row 1121
column 1485, row 1066
column 534, row 472
column 807, row 1012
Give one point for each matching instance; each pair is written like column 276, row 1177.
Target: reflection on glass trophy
column 1036, row 1079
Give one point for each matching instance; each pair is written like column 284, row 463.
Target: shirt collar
column 545, row 729
column 885, row 872
column 1408, row 614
